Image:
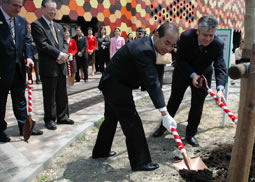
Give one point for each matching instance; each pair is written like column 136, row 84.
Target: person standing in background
column 72, row 50
column 81, row 55
column 91, row 48
column 53, row 55
column 129, row 37
column 238, row 52
column 116, row 42
column 15, row 46
column 103, row 48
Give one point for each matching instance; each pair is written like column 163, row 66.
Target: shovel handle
column 29, row 86
column 223, row 106
column 187, row 160
column 181, row 148
column 220, row 104
column 69, row 69
column 178, row 140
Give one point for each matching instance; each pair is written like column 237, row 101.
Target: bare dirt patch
column 75, row 162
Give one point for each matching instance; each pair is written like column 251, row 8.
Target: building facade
column 130, row 14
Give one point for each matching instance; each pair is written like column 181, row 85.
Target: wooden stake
column 244, row 140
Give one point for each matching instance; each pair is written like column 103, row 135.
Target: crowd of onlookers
column 95, row 50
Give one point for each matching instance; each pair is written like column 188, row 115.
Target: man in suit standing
column 197, row 51
column 81, row 55
column 52, row 51
column 15, row 46
column 132, row 65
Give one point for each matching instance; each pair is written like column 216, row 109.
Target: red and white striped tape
column 29, row 86
column 69, row 69
column 223, row 106
column 178, row 140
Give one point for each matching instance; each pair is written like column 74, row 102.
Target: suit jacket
column 10, row 52
column 81, row 44
column 48, row 49
column 133, row 65
column 189, row 59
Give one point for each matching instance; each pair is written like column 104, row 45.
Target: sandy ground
column 75, row 163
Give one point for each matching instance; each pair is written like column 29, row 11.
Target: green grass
column 99, row 122
column 42, row 179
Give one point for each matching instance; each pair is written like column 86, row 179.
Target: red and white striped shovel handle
column 29, row 86
column 220, row 104
column 178, row 140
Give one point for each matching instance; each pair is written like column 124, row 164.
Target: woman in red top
column 72, row 50
column 91, row 48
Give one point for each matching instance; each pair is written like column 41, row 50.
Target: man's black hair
column 44, row 2
column 162, row 29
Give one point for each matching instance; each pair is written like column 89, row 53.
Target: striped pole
column 178, row 140
column 29, row 86
column 69, row 69
column 223, row 106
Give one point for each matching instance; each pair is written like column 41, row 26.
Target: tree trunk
column 242, row 150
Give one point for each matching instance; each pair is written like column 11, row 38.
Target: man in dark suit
column 52, row 51
column 81, row 55
column 197, row 51
column 131, row 66
column 15, row 46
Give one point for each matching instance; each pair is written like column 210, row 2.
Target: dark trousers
column 97, row 61
column 121, row 107
column 55, row 99
column 81, row 62
column 19, row 103
column 36, row 66
column 179, row 85
column 103, row 56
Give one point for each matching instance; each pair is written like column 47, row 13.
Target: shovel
column 195, row 163
column 29, row 124
column 214, row 95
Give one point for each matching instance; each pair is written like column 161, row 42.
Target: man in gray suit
column 52, row 51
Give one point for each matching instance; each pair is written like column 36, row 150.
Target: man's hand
column 221, row 97
column 195, row 81
column 169, row 122
column 30, row 62
column 79, row 54
column 63, row 59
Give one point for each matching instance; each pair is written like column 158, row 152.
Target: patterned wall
column 130, row 14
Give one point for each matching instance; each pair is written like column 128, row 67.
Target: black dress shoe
column 4, row 137
column 110, row 154
column 37, row 82
column 67, row 121
column 192, row 141
column 51, row 125
column 34, row 132
column 37, row 132
column 147, row 167
column 160, row 131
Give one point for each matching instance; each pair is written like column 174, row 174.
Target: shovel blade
column 196, row 164
column 28, row 127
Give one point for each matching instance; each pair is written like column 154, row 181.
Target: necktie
column 53, row 32
column 11, row 26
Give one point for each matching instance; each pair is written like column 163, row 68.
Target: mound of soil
column 217, row 160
